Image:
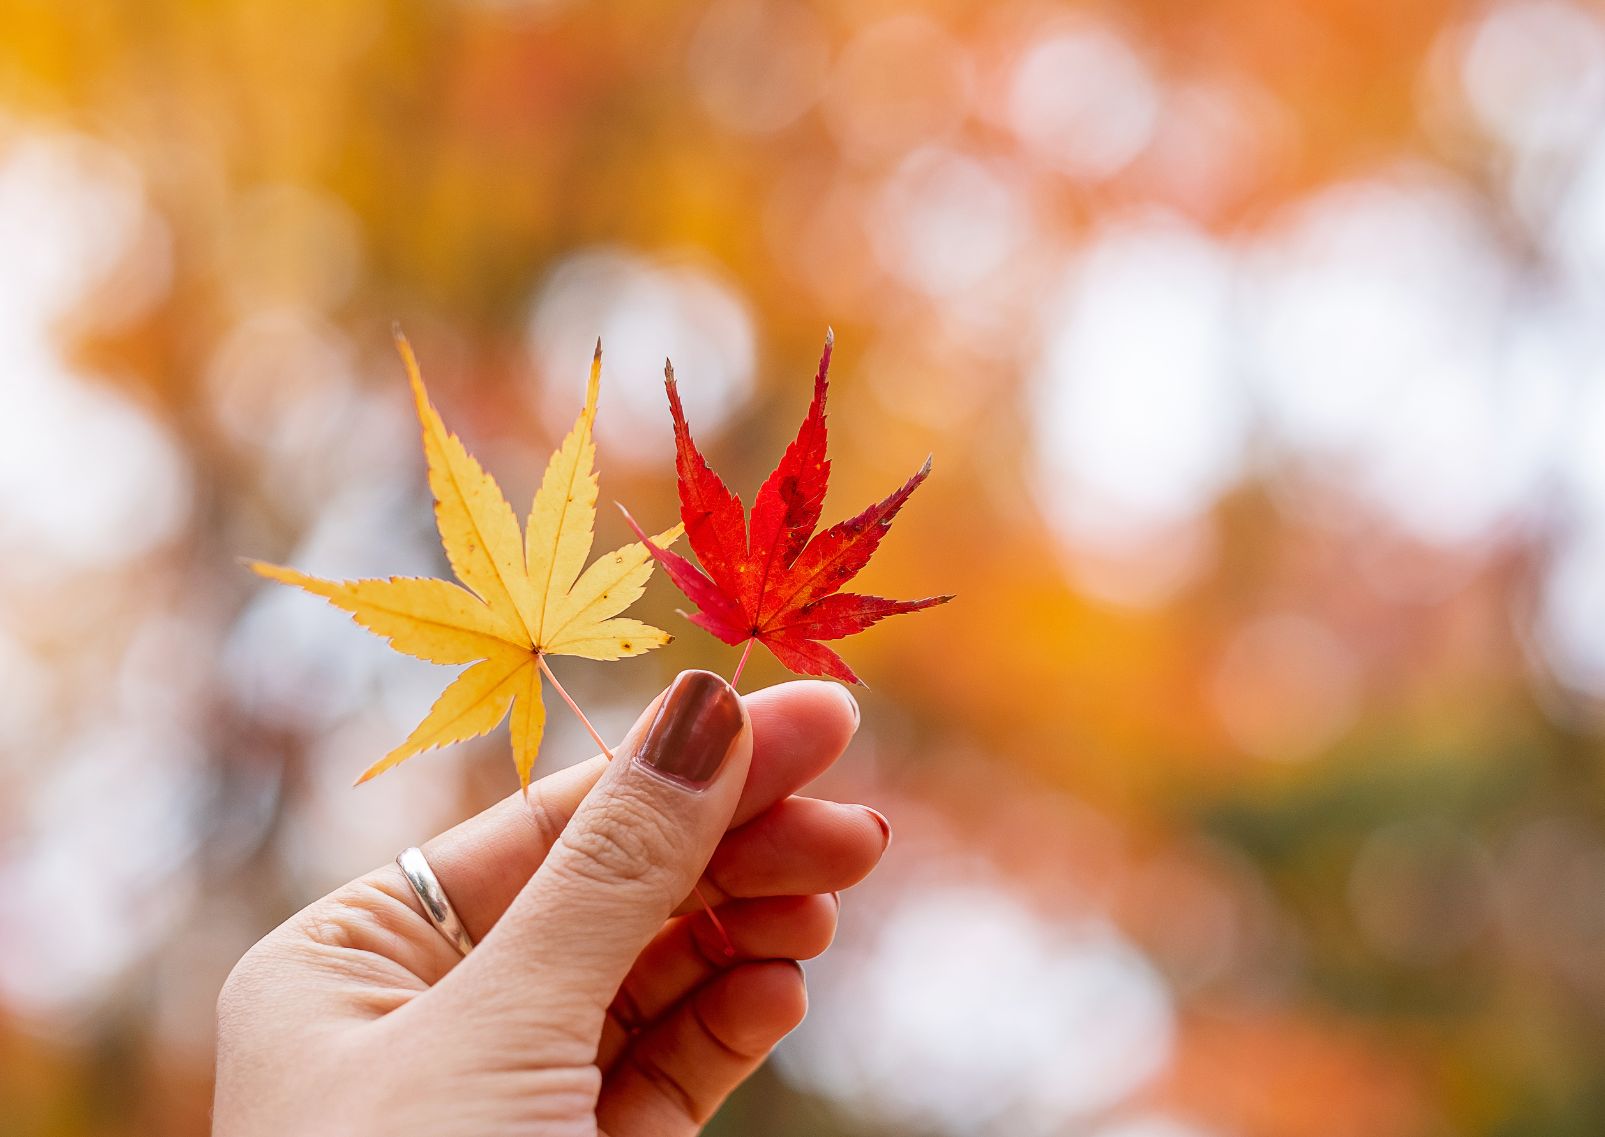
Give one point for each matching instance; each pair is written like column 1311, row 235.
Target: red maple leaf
column 776, row 580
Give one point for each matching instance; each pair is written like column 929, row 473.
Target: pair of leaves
column 525, row 595
column 774, row 579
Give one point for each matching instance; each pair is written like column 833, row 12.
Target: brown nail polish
column 886, row 827
column 696, row 725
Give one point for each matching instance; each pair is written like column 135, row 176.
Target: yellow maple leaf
column 522, row 597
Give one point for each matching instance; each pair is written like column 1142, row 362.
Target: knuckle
column 671, row 1088
column 545, row 819
column 620, row 841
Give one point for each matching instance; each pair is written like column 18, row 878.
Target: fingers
column 798, row 730
column 688, row 953
column 796, row 847
column 675, row 1075
column 784, row 866
column 633, row 849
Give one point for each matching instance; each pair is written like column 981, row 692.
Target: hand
column 598, row 1001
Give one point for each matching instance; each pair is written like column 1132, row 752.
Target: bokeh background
column 1251, row 788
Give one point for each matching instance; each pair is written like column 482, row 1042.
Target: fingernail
column 886, row 826
column 837, row 897
column 852, row 703
column 696, row 725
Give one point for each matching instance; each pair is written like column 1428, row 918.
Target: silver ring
column 439, row 910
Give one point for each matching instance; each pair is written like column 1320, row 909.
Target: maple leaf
column 775, row 580
column 522, row 596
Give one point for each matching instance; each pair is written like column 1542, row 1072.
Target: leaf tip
column 593, row 386
column 404, row 348
column 640, row 534
column 830, row 336
column 410, row 361
column 268, row 570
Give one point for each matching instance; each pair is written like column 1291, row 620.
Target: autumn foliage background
column 1252, row 787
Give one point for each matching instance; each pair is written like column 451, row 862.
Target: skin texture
column 599, row 999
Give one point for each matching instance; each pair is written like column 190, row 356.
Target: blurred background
column 1251, row 788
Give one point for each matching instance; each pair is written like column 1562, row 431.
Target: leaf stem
column 742, row 665
column 724, row 936
column 573, row 706
column 725, row 944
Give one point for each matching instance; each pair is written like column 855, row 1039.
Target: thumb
column 632, row 851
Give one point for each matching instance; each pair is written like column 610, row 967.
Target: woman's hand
column 598, row 1000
